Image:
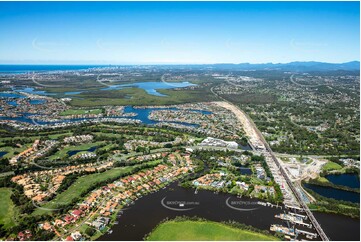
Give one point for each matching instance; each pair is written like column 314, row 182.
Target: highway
column 250, row 131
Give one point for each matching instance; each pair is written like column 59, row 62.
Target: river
column 141, row 217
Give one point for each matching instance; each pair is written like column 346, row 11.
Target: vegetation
column 63, row 153
column 139, row 97
column 316, row 117
column 331, row 166
column 204, row 230
column 7, row 208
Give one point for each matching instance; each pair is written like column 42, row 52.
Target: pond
column 2, row 153
column 348, row 180
column 337, row 194
column 245, row 170
column 73, row 152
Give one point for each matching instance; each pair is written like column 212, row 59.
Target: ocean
column 19, row 69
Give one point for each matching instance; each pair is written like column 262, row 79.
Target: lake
column 151, row 87
column 139, row 219
column 337, row 194
column 348, row 180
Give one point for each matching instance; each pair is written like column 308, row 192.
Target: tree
column 90, row 231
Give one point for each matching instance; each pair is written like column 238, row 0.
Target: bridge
column 293, row 186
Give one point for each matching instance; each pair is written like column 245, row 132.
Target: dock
column 293, row 219
column 309, row 235
column 282, row 229
column 298, row 215
column 293, row 207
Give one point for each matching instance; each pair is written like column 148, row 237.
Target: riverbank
column 204, row 230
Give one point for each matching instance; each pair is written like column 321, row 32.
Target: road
column 256, row 138
column 302, row 85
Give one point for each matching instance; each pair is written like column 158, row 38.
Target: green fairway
column 83, row 147
column 329, row 166
column 203, row 230
column 7, row 208
column 81, row 185
column 10, row 150
column 80, row 111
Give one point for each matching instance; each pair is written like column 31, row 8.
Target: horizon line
column 172, row 63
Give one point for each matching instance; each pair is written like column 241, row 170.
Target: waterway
column 141, row 217
column 142, row 114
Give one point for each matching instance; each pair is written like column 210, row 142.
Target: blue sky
column 178, row 32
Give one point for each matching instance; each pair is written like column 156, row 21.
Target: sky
column 178, row 32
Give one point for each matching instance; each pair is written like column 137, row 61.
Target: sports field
column 203, row 230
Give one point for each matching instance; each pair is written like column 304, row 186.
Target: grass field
column 80, row 111
column 7, row 208
column 329, row 166
column 322, row 179
column 81, row 185
column 205, row 230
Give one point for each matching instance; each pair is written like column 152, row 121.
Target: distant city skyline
column 178, row 32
